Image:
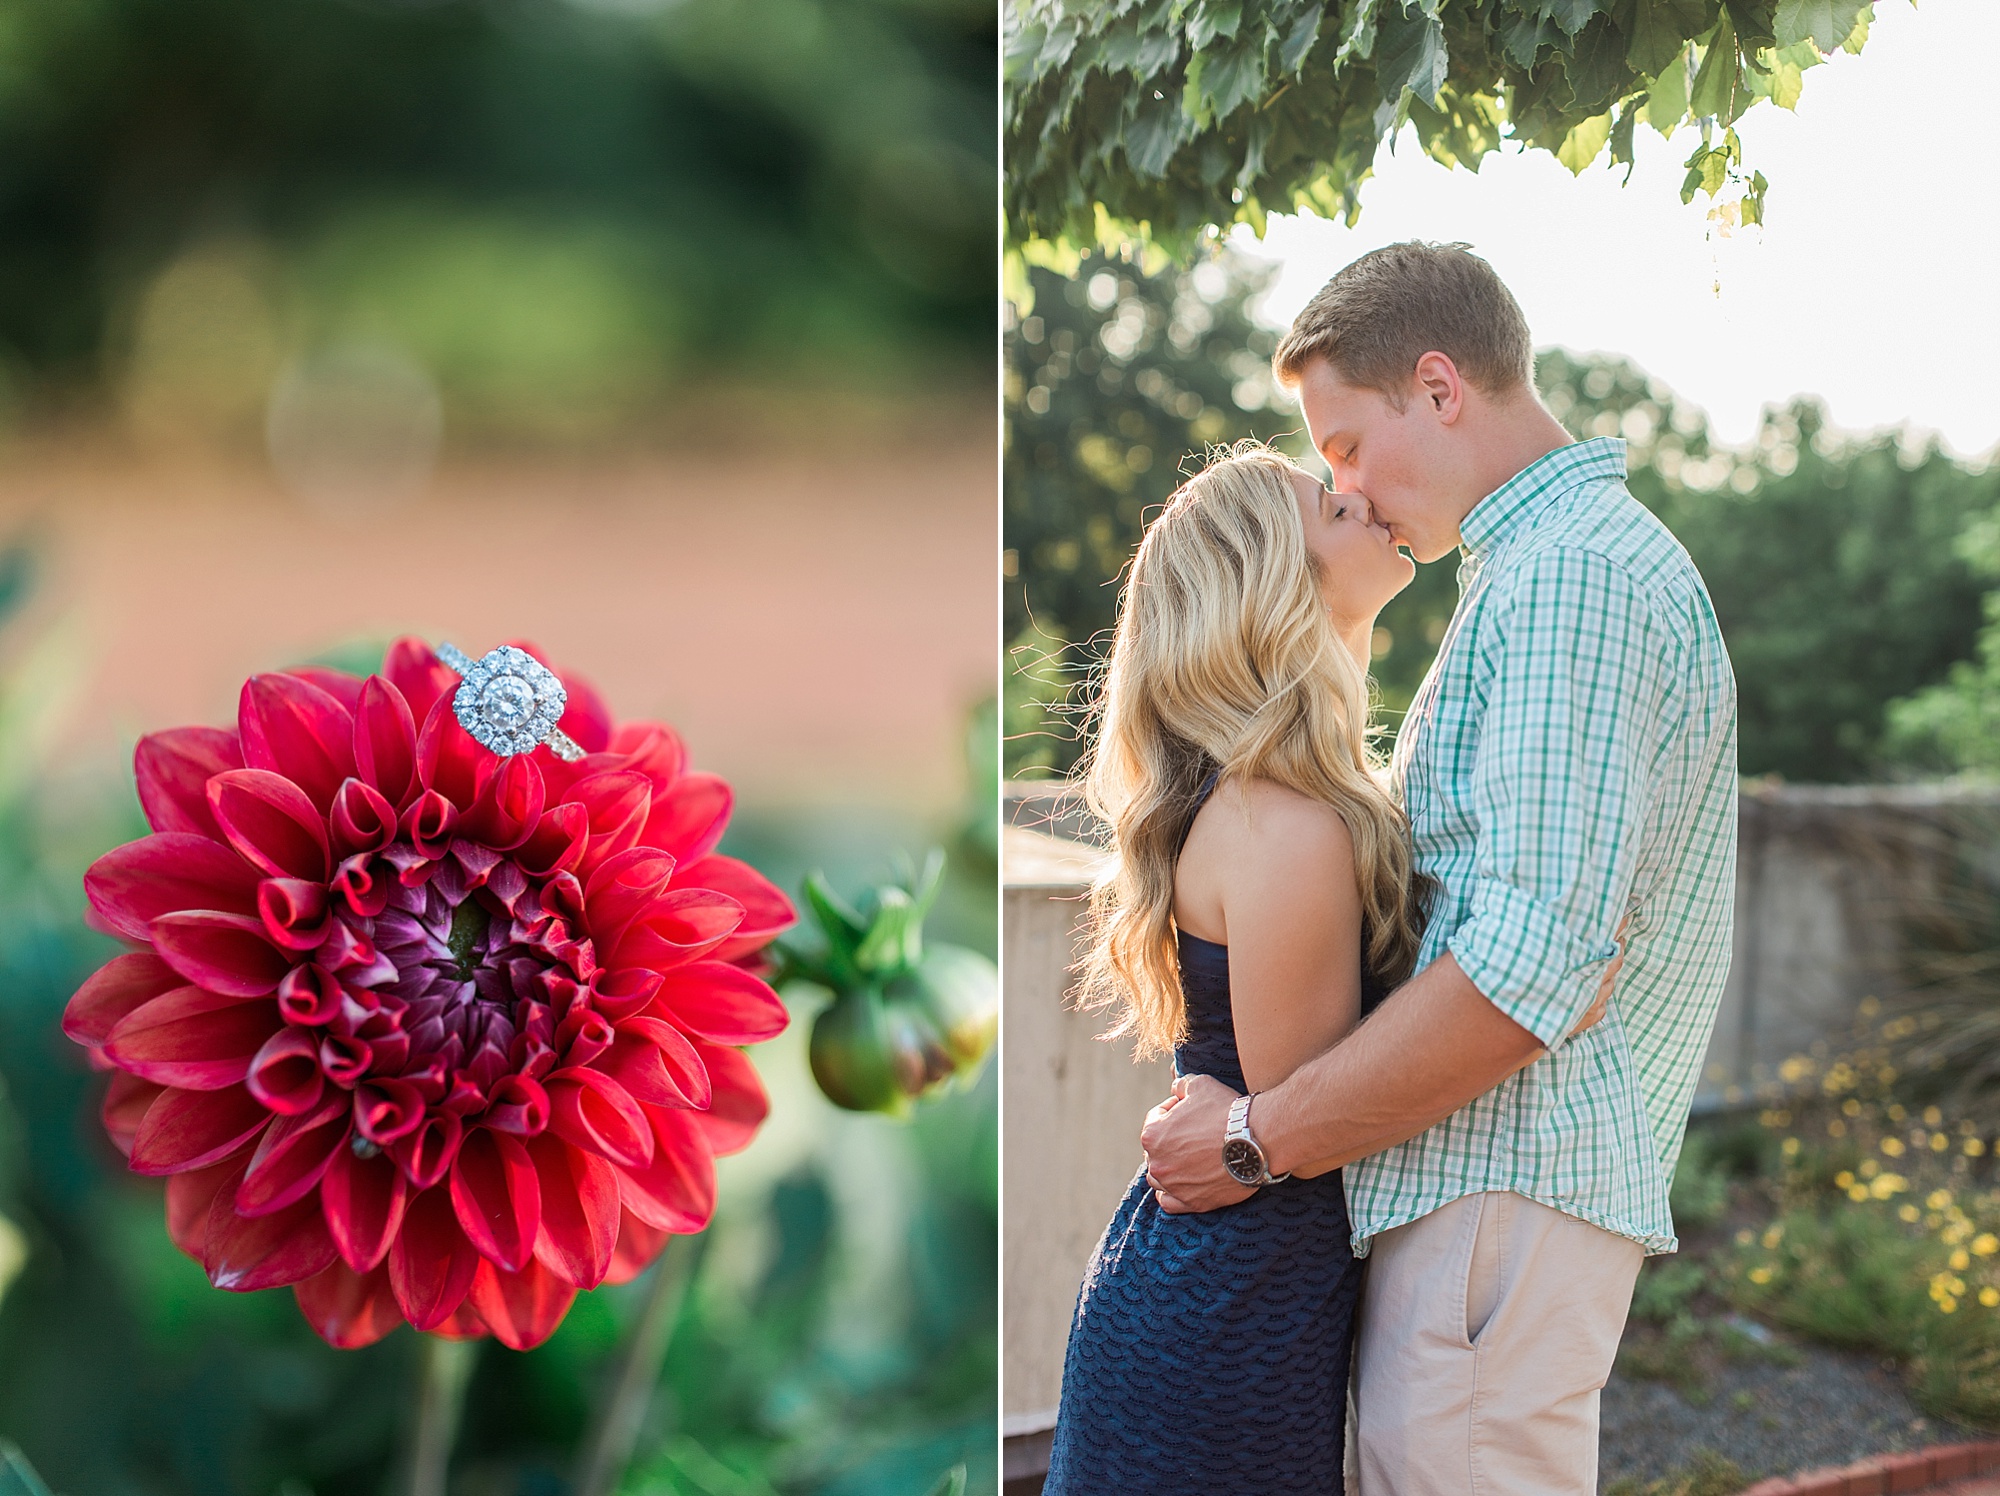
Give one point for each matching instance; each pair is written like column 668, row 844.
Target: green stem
column 447, row 1367
column 616, row 1435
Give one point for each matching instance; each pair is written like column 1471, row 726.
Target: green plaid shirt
column 1569, row 760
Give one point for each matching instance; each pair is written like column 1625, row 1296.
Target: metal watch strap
column 1239, row 1131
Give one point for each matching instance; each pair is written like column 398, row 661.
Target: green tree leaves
column 1159, row 122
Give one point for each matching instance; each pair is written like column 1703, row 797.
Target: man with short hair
column 1569, row 770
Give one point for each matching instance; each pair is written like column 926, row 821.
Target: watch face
column 1242, row 1159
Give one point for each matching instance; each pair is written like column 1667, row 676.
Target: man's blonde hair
column 1377, row 317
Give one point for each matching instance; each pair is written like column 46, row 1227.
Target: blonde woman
column 1260, row 902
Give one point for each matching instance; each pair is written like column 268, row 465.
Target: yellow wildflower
column 1985, row 1244
column 1908, row 1212
column 1893, row 1147
column 1760, row 1274
column 1989, row 1296
column 1938, row 1199
column 1790, row 1148
column 1932, row 1116
column 1843, row 1179
column 1960, row 1260
column 1974, row 1148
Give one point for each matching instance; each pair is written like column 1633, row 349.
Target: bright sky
column 1875, row 282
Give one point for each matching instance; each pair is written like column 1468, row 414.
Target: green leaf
column 17, row 1476
column 1584, row 143
column 1858, row 37
column 1219, row 81
column 838, row 920
column 1153, row 135
column 1824, row 23
column 953, row 1483
column 1571, row 15
column 1753, row 199
column 1299, row 41
column 1667, row 104
column 1621, row 133
column 1410, row 52
column 1214, row 18
column 1660, row 32
column 1716, row 86
column 1359, row 40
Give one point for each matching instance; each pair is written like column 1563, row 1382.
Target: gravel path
column 1827, row 1407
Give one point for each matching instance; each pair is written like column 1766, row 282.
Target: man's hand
column 1183, row 1143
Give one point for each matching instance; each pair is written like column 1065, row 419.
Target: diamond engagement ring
column 510, row 702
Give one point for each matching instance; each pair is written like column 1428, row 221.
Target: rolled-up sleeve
column 1575, row 720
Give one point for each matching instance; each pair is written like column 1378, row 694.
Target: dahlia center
column 470, row 925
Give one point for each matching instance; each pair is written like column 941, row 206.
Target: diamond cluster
column 509, row 701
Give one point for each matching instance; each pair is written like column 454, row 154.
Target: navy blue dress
column 1209, row 1353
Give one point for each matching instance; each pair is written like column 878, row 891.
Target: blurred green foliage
column 564, row 210
column 839, row 1339
column 1835, row 562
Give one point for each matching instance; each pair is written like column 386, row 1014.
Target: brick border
column 1889, row 1474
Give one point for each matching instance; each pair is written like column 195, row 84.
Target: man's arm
column 1433, row 1046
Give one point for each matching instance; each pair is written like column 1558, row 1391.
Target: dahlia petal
column 292, row 1156
column 295, row 914
column 509, row 805
column 653, row 749
column 386, row 1109
column 416, row 672
column 115, row 989
column 617, row 802
column 131, row 886
column 579, row 1228
column 173, row 769
column 431, row 1264
column 721, row 1003
column 767, row 913
column 272, row 823
column 225, row 953
column 190, row 1197
column 348, row 1309
column 622, row 992
column 638, row 1245
column 689, row 819
column 676, row 1190
column 246, row 1253
column 196, row 1040
column 126, row 1101
column 363, row 1200
column 447, row 757
column 285, row 1074
column 657, row 1064
column 385, row 740
column 739, row 1104
column 622, row 888
column 519, row 1105
column 192, row 1129
column 427, row 1154
column 429, row 824
column 363, row 819
column 497, row 1196
column 683, row 925
column 591, row 1110
column 583, row 1036
column 557, row 842
column 521, row 1309
column 291, row 727
column 339, row 684
column 309, row 995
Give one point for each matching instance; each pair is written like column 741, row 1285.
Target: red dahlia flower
column 426, row 1033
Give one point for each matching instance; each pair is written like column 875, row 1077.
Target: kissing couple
column 1444, row 1016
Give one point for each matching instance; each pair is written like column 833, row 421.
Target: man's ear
column 1440, row 385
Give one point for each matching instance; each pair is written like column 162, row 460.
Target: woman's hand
column 1598, row 1004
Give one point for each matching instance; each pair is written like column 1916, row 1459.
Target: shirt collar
column 1530, row 490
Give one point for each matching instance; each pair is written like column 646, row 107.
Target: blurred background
column 657, row 333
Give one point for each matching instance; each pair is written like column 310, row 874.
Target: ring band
column 509, row 702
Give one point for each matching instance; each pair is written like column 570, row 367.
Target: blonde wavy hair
column 1225, row 659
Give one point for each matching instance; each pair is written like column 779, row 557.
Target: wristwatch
column 1240, row 1153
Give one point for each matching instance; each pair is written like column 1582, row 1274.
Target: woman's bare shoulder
column 1276, row 827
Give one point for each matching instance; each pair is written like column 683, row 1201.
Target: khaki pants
column 1488, row 1328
